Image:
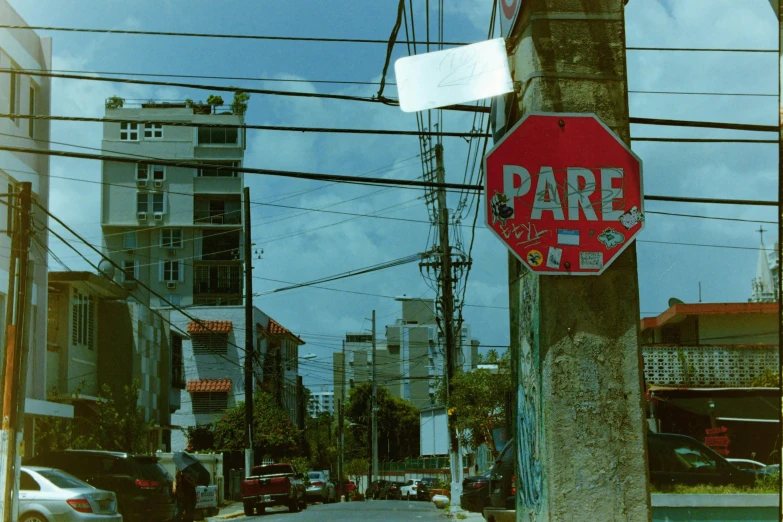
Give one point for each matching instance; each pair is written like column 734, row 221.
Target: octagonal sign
column 564, row 193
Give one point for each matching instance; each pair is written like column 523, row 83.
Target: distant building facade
column 321, row 402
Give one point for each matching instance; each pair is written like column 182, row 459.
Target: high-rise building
column 26, row 93
column 321, row 402
column 410, row 360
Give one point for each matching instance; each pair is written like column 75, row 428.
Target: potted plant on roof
column 214, row 100
column 239, row 105
column 115, row 102
column 198, row 107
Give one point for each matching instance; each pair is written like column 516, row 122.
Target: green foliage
column 478, row 400
column 763, row 485
column 321, row 440
column 768, row 379
column 355, row 469
column 275, row 435
column 239, row 105
column 215, row 100
column 118, row 425
column 115, row 102
column 398, row 424
column 201, row 437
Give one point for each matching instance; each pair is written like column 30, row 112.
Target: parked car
column 48, row 495
column 391, row 490
column 475, row 492
column 772, row 469
column 374, row 489
column 273, row 485
column 320, row 488
column 678, row 459
column 409, row 490
column 502, row 489
column 425, row 485
column 143, row 487
column 752, row 465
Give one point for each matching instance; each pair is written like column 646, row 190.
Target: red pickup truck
column 273, row 485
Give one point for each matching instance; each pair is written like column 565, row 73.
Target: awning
column 209, row 385
column 197, row 327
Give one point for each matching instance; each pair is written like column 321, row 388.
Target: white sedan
column 753, row 465
column 408, row 491
column 49, row 495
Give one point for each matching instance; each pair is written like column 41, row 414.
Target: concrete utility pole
column 341, row 440
column 447, row 307
column 374, row 407
column 249, row 335
column 579, row 423
column 15, row 368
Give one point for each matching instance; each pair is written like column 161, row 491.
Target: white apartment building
column 410, row 359
column 321, row 402
column 28, row 94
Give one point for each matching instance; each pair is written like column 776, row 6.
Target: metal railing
column 217, row 217
column 212, row 278
column 420, row 463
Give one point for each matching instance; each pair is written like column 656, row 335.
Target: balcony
column 217, row 210
column 708, row 366
column 216, row 217
column 217, row 283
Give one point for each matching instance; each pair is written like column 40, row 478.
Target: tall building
column 321, row 402
column 28, row 94
column 410, row 360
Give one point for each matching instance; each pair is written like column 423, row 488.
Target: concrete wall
column 738, row 329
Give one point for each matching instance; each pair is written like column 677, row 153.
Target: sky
column 300, row 246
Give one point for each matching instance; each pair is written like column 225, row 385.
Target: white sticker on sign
column 591, row 260
column 567, row 237
column 459, row 75
column 554, row 257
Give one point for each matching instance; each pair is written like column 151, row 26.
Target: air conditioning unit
column 158, row 216
column 172, row 253
column 142, row 216
column 157, row 183
column 141, row 182
column 171, row 284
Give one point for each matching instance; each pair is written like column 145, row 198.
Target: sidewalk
column 231, row 510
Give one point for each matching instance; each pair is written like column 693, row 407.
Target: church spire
column 763, row 285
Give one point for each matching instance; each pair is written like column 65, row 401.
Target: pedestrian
column 185, row 492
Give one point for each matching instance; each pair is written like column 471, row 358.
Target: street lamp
column 308, row 356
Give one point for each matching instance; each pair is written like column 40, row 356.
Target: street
column 372, row 511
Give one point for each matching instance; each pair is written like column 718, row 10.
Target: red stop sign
column 564, row 193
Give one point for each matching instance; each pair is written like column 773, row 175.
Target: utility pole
column 249, row 336
column 340, row 426
column 374, row 407
column 447, row 306
column 578, row 419
column 15, row 367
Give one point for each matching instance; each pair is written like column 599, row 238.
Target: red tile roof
column 679, row 311
column 209, row 385
column 276, row 328
column 209, row 327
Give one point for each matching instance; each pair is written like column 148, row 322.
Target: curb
column 229, row 515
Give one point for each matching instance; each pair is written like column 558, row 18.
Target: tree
column 398, row 424
column 274, row 433
column 117, row 425
column 478, row 400
column 321, row 440
column 239, row 105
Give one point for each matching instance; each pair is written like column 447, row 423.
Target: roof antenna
column 700, row 291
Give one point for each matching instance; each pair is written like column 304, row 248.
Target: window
column 129, row 239
column 13, row 98
column 157, row 202
column 158, row 172
column 153, row 130
column 175, row 300
column 217, row 136
column 177, row 362
column 209, row 343
column 31, row 122
column 82, row 320
column 172, row 271
column 130, row 270
column 218, row 170
column 27, row 482
column 142, row 171
column 129, row 131
column 209, row 402
column 142, row 202
column 171, row 238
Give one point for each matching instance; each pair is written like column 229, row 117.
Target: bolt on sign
column 564, row 193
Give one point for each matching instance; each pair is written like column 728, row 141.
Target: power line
column 680, row 93
column 701, row 49
column 339, row 178
column 710, row 217
column 705, row 124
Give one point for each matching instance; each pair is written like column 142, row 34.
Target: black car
column 391, row 490
column 374, row 489
column 426, row 484
column 679, row 459
column 475, row 492
column 502, row 489
column 143, row 487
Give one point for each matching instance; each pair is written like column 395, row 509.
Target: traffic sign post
column 564, row 193
column 509, row 10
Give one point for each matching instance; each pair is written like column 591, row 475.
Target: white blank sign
column 459, row 75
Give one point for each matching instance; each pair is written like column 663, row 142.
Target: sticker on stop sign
column 564, row 193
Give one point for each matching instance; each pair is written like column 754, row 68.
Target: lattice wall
column 730, row 366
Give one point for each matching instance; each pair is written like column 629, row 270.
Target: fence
column 420, row 463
